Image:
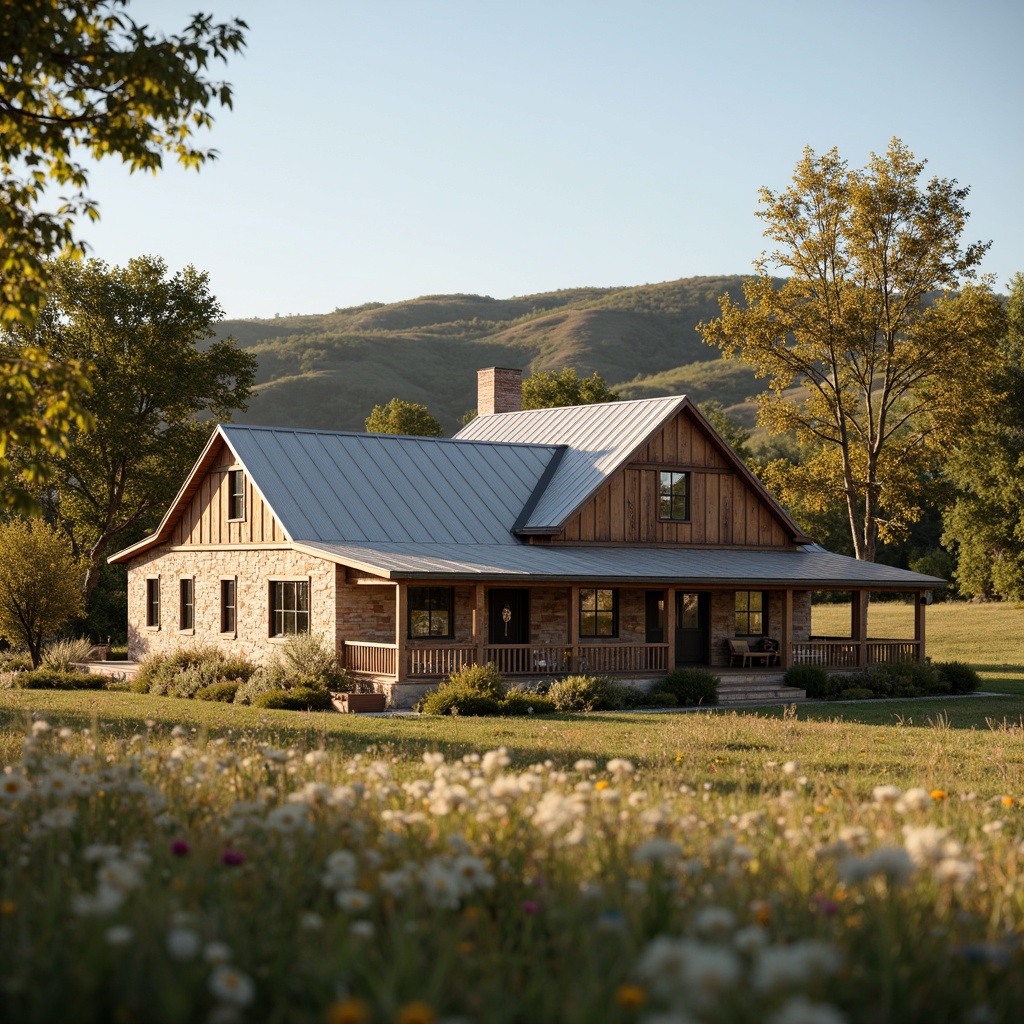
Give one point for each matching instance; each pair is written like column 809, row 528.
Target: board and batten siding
column 204, row 520
column 725, row 510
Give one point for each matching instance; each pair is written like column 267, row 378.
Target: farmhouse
column 620, row 539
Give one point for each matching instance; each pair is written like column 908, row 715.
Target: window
column 227, row 606
column 187, row 609
column 153, row 603
column 675, row 497
column 289, row 607
column 430, row 612
column 236, row 494
column 599, row 612
column 750, row 608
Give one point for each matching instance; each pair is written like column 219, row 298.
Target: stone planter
column 354, row 703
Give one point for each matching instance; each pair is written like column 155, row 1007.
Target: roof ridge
column 381, row 437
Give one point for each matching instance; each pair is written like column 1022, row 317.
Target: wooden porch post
column 670, row 628
column 480, row 624
column 401, row 628
column 858, row 624
column 574, row 627
column 919, row 610
column 786, row 661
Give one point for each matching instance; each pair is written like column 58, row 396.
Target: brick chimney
column 498, row 390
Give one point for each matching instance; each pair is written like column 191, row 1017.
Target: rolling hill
column 329, row 371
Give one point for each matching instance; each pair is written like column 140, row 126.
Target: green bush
column 224, row 692
column 51, row 679
column 260, row 682
column 233, row 669
column 518, row 701
column 813, row 679
column 660, row 699
column 457, row 700
column 60, row 655
column 690, row 686
column 15, row 661
column 585, row 693
column 902, row 679
column 482, row 679
column 310, row 656
column 298, row 698
column 157, row 672
column 960, row 676
column 855, row 693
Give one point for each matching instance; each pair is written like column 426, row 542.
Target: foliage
column 553, row 389
column 400, row 417
column 585, row 693
column 484, row 679
column 186, row 671
column 223, row 692
column 901, row 679
column 519, row 701
column 961, row 677
column 458, row 700
column 158, row 381
column 985, row 524
column 297, row 698
column 735, row 435
column 306, row 656
column 40, row 583
column 887, row 376
column 691, row 686
column 58, row 679
column 61, row 654
column 813, row 679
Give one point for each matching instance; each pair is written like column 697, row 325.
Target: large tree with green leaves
column 878, row 344
column 157, row 381
column 401, row 417
column 81, row 78
column 553, row 388
column 40, row 583
column 985, row 525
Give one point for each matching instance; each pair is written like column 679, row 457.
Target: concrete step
column 741, row 693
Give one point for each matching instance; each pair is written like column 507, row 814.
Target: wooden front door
column 509, row 616
column 693, row 618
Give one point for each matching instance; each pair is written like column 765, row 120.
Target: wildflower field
column 168, row 860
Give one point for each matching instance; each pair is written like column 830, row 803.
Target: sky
column 380, row 150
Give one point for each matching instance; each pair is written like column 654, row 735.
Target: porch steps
column 757, row 687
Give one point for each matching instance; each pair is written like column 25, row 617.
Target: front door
column 509, row 616
column 693, row 616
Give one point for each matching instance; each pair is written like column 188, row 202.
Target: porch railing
column 370, row 659
column 843, row 652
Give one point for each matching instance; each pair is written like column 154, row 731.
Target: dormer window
column 236, row 494
column 674, row 497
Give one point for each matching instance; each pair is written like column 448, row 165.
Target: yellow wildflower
column 939, row 794
column 415, row 1013
column 348, row 1011
column 601, row 784
column 630, row 997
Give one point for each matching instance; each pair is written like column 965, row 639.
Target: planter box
column 353, row 703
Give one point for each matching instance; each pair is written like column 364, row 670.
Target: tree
column 735, row 435
column 887, row 368
column 40, row 583
column 80, row 76
column 400, row 417
column 156, row 381
column 985, row 524
column 552, row 389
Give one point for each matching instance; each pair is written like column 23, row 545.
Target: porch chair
column 741, row 649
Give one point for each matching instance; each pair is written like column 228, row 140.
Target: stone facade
column 723, row 621
column 253, row 570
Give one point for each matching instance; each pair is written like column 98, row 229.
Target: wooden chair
column 741, row 649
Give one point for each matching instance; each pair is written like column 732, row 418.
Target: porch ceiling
column 809, row 568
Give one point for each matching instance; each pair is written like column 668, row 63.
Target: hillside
column 329, row 371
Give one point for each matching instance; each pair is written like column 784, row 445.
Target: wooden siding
column 204, row 520
column 725, row 509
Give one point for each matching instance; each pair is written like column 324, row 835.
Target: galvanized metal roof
column 380, row 488
column 810, row 567
column 599, row 439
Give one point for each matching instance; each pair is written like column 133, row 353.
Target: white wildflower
column 316, row 758
column 352, row 901
column 288, row 818
column 14, row 787
column 620, row 768
column 714, row 922
column 494, row 760
column 217, row 953
column 183, row 943
column 584, row 766
column 361, row 929
column 800, row 1010
column 657, row 851
column 886, row 794
column 311, row 921
column 231, row 986
column 40, row 727
column 916, row 799
column 927, row 845
column 791, row 768
column 119, row 935
column 787, row 967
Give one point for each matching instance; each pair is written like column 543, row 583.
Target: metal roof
column 810, row 567
column 599, row 439
column 382, row 488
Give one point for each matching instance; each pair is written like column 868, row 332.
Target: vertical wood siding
column 725, row 511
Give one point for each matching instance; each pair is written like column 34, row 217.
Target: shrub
column 960, row 676
column 224, row 692
column 585, row 693
column 525, row 702
column 232, row 669
column 310, row 656
column 690, row 686
column 855, row 693
column 157, row 672
column 51, row 679
column 298, row 698
column 902, row 679
column 15, row 661
column 659, row 699
column 482, row 679
column 60, row 655
column 457, row 700
column 813, row 679
column 258, row 683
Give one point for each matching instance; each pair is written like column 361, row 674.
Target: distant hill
column 329, row 371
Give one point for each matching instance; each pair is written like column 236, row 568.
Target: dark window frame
column 430, row 605
column 286, row 600
column 605, row 622
column 228, row 622
column 743, row 616
column 236, row 495
column 187, row 603
column 669, row 502
column 153, row 602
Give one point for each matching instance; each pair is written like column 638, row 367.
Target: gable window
column 187, row 606
column 674, row 495
column 289, row 607
column 227, row 605
column 430, row 612
column 599, row 612
column 750, row 609
column 236, row 494
column 153, row 603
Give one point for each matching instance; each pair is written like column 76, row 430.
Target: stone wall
column 723, row 621
column 253, row 571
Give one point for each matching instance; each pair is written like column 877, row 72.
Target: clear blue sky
column 384, row 149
